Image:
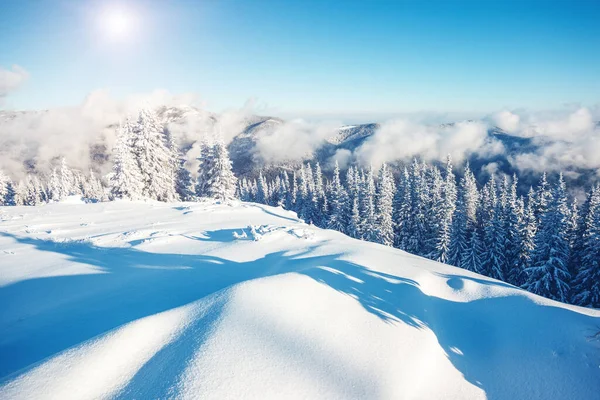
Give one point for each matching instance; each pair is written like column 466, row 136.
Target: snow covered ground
column 154, row 300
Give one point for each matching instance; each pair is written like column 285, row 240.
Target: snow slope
column 151, row 300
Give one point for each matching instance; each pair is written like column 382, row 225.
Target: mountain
column 245, row 133
column 203, row 300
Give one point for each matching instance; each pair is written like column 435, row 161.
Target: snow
column 154, row 300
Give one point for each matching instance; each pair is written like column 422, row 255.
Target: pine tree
column 448, row 207
column 338, row 201
column 205, row 160
column 473, row 253
column 543, row 197
column 126, row 180
column 354, row 227
column 154, row 158
column 494, row 234
column 465, row 217
column 20, row 194
column 403, row 217
column 184, row 185
column 548, row 274
column 263, row 190
column 54, row 186
column 34, row 195
column 384, row 204
column 367, row 207
column 513, row 223
column 222, row 182
column 6, row 190
column 586, row 285
column 291, row 199
column 67, row 180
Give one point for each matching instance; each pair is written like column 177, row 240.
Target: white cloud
column 294, row 140
column 507, row 121
column 404, row 139
column 11, row 79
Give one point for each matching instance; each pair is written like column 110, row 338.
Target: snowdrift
column 139, row 300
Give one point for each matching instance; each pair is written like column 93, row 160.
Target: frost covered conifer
column 126, row 179
column 386, row 189
column 222, row 182
column 338, row 203
column 367, row 207
column 548, row 273
column 586, row 285
column 6, row 190
column 154, row 158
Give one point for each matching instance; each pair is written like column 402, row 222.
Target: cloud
column 507, row 121
column 38, row 138
column 404, row 139
column 11, row 79
column 294, row 140
column 565, row 140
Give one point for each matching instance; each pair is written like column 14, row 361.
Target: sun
column 118, row 23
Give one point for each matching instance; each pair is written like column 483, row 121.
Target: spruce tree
column 586, row 285
column 6, row 190
column 126, row 178
column 338, row 202
column 384, row 204
column 222, row 182
column 548, row 274
column 154, row 158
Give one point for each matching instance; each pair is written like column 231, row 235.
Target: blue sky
column 311, row 57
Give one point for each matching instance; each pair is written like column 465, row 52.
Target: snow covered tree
column 205, row 161
column 448, row 207
column 384, row 204
column 126, row 179
column 543, row 197
column 465, row 217
column 222, row 182
column 262, row 195
column 184, row 184
column 54, row 186
column 338, row 203
column 473, row 253
column 367, row 207
column 154, row 158
column 586, row 285
column 354, row 227
column 20, row 194
column 34, row 195
column 67, row 180
column 548, row 273
column 6, row 190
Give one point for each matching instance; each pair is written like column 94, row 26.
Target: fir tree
column 338, row 218
column 6, row 190
column 386, row 189
column 586, row 285
column 126, row 178
column 222, row 182
column 548, row 274
column 154, row 158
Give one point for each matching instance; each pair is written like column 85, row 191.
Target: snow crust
column 204, row 300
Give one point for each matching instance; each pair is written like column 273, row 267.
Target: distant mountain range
column 247, row 159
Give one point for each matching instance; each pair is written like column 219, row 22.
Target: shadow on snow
column 133, row 284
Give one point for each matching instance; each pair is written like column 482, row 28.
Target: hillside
column 154, row 300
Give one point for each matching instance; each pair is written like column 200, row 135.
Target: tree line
column 542, row 242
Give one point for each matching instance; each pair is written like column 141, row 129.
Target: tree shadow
column 41, row 317
column 482, row 338
column 494, row 342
